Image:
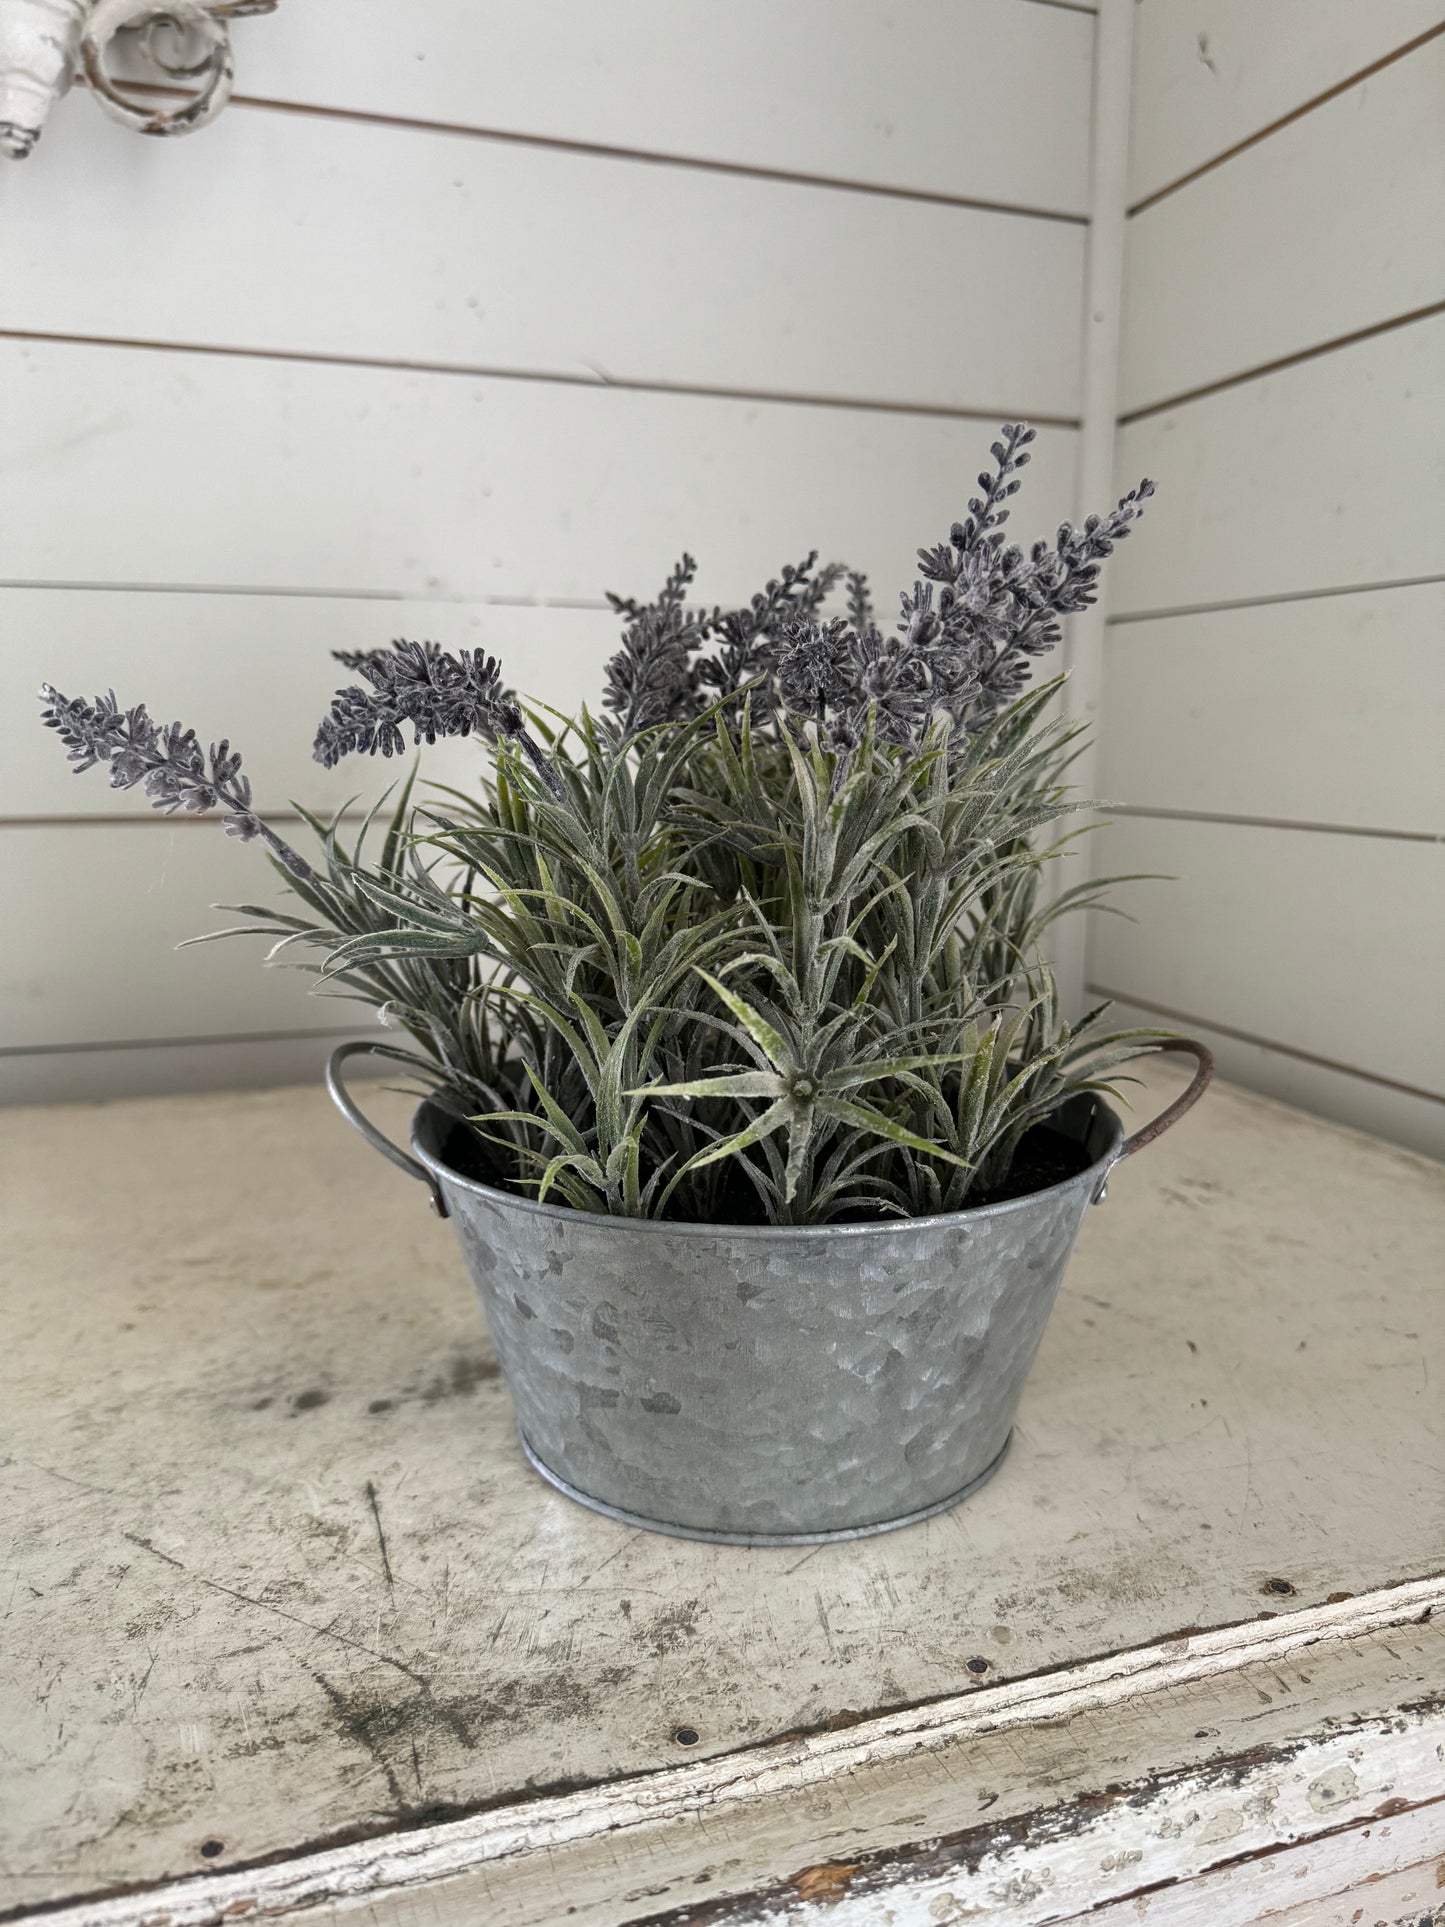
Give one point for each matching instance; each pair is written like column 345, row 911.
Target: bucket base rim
column 713, row 1536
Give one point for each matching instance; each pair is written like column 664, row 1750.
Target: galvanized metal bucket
column 764, row 1386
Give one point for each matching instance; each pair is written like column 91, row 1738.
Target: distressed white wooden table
column 289, row 1629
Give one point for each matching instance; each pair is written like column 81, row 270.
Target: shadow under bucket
column 759, row 1385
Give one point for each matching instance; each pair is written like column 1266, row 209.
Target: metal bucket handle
column 1171, row 1114
column 346, row 1104
column 1185, row 1101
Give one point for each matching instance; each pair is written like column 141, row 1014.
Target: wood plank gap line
column 1267, row 601
column 287, row 591
column 1264, row 1043
column 622, row 384
column 645, row 156
column 1262, row 823
column 1286, row 120
column 177, row 1043
column 151, row 820
column 1283, row 361
column 393, row 1864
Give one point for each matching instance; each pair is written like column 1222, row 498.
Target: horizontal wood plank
column 93, row 958
column 426, row 248
column 1326, row 711
column 258, row 670
column 1324, row 475
column 1327, row 943
column 189, row 1519
column 102, row 1075
column 1334, row 224
column 1361, row 1103
column 1210, row 73
column 192, row 469
column 822, row 87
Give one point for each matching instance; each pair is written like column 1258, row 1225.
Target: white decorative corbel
column 45, row 43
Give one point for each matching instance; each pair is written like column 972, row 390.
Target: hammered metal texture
column 765, row 1381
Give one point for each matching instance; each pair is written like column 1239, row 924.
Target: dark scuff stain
column 662, row 1403
column 366, row 1727
column 669, row 1629
column 309, row 1401
column 396, row 1729
column 466, row 1372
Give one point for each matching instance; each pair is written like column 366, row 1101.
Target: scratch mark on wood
column 81, row 1485
column 798, row 1564
column 375, row 1505
column 265, row 1605
column 616, row 1553
column 146, row 1546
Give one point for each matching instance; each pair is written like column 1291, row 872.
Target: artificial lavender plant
column 761, row 941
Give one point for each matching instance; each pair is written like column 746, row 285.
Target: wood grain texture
column 1327, row 943
column 1210, row 73
column 284, row 1656
column 1361, row 1102
column 258, row 670
column 1334, row 224
column 814, row 88
column 262, row 473
column 422, row 247
column 1327, row 711
column 1327, row 474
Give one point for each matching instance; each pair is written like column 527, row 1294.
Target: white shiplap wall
column 462, row 313
column 1274, row 680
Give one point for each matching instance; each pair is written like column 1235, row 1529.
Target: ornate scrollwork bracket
column 185, row 44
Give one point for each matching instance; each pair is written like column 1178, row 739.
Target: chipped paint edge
column 391, row 1866
column 1192, row 1848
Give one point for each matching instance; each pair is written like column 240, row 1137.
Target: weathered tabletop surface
column 287, row 1623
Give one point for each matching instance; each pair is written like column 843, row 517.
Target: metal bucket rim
column 1093, row 1174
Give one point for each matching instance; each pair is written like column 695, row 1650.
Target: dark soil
column 1044, row 1157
